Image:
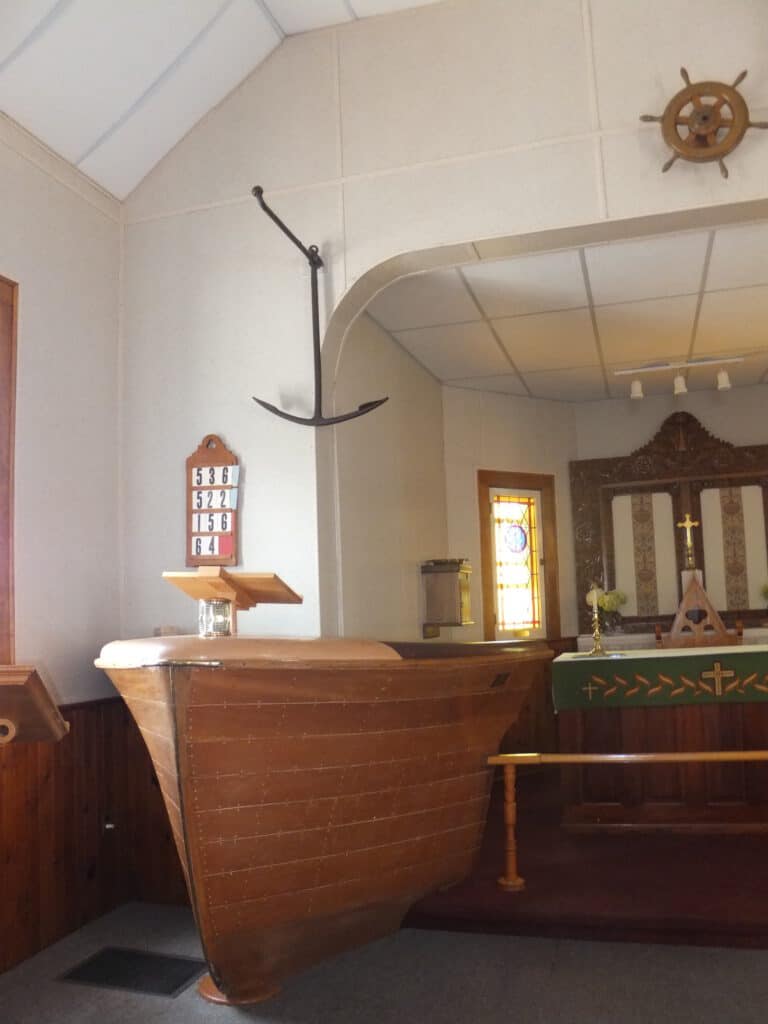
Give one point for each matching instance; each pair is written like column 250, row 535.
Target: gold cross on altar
column 718, row 674
column 688, row 525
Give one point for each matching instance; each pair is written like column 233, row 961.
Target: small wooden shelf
column 244, row 589
column 27, row 711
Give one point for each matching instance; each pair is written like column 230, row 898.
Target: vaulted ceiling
column 559, row 325
column 112, row 85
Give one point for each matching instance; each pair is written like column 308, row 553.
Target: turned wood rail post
column 511, row 881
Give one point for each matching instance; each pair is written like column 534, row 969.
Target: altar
column 676, row 534
column 620, row 641
column 640, row 701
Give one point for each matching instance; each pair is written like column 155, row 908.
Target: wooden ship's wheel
column 705, row 121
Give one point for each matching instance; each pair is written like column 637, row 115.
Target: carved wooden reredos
column 682, row 459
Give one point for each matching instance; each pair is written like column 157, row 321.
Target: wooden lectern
column 222, row 594
column 27, row 711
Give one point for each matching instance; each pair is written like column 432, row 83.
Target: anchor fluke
column 312, row 256
column 321, row 421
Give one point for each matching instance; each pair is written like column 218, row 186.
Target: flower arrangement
column 612, row 600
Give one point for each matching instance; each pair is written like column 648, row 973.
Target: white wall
column 437, row 125
column 619, row 426
column 515, row 435
column 392, row 507
column 60, row 240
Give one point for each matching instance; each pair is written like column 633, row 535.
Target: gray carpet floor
column 414, row 976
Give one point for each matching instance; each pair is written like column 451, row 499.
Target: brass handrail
column 511, row 881
column 655, row 758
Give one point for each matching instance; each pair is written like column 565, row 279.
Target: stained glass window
column 517, row 562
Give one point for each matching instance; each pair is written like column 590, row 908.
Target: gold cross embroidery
column 589, row 689
column 718, row 674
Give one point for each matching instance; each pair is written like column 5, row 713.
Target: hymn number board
column 212, row 492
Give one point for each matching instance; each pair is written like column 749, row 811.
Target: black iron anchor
column 312, row 255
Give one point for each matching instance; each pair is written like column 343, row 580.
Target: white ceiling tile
column 739, row 257
column 457, row 351
column 23, row 23
column 646, row 268
column 86, row 70
column 657, row 383
column 424, row 300
column 646, row 331
column 298, row 16
column 241, row 38
column 366, row 8
column 528, row 284
column 733, row 321
column 585, row 384
column 504, row 383
column 549, row 341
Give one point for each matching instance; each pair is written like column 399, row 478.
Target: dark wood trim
column 8, row 331
column 681, row 459
column 677, row 797
column 545, row 484
column 80, row 705
column 60, row 866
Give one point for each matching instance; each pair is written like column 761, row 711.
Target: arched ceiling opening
column 556, row 314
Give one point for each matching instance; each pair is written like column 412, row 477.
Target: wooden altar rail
column 511, row 881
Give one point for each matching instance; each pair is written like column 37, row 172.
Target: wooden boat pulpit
column 316, row 787
column 28, row 713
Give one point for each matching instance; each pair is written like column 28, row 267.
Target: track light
column 723, row 380
column 636, row 390
column 680, row 387
column 683, row 364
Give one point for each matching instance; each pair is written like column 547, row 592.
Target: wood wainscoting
column 61, row 864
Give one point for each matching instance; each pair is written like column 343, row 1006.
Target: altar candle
column 593, row 597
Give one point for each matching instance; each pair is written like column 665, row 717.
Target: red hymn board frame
column 213, row 475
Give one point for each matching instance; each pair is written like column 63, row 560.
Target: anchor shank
column 316, row 342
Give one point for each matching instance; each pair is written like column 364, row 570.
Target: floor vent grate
column 135, row 970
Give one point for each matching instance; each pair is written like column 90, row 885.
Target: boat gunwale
column 337, row 664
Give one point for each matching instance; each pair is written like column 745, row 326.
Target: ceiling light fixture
column 723, row 380
column 685, row 364
column 636, row 390
column 680, row 387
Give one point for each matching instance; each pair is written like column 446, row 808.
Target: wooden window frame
column 8, row 331
column 487, row 479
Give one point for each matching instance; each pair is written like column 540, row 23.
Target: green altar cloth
column 658, row 678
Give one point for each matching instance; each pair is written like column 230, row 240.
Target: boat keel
column 209, row 990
